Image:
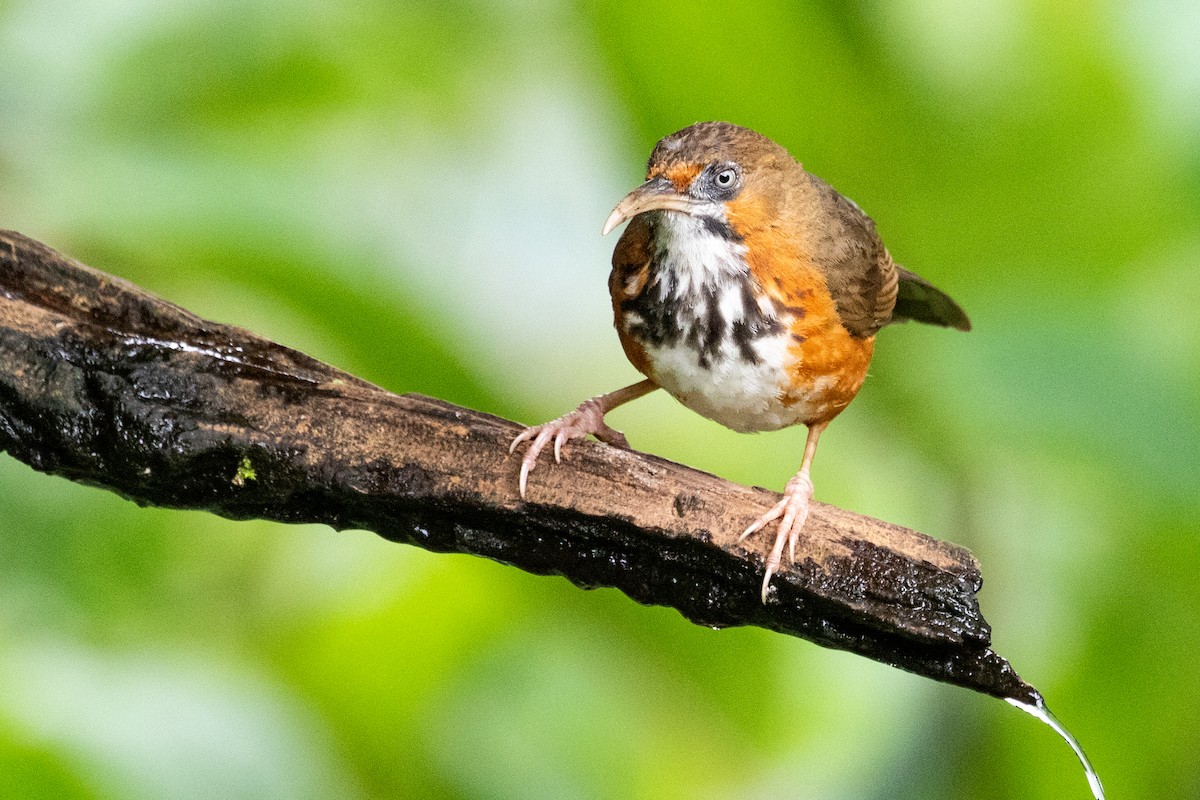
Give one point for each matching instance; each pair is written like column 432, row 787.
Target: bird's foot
column 587, row 419
column 792, row 512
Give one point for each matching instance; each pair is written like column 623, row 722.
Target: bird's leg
column 791, row 511
column 588, row 418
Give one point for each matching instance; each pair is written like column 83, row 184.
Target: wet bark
column 105, row 384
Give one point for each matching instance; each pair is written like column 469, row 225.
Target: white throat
column 691, row 257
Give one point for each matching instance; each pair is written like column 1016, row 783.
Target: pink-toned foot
column 792, row 512
column 587, row 419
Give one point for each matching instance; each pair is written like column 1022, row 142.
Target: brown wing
column 870, row 289
column 858, row 270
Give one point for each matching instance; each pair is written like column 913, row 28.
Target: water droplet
column 1040, row 711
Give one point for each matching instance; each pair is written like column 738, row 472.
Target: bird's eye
column 726, row 177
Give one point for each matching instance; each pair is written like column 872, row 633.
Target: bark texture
column 105, row 384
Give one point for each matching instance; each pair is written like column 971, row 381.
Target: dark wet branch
column 107, row 385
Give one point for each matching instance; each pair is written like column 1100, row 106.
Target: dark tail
column 920, row 300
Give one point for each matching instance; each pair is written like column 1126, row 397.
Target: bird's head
column 710, row 170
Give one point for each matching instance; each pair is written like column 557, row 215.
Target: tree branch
column 104, row 384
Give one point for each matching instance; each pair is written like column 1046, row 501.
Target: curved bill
column 657, row 194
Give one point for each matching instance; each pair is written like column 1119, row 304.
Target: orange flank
column 630, row 271
column 837, row 357
column 830, row 363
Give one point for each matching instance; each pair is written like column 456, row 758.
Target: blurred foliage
column 412, row 191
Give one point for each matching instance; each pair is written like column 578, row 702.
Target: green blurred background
column 414, row 192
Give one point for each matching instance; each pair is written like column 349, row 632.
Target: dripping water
column 1039, row 710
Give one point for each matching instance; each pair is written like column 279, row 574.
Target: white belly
column 741, row 395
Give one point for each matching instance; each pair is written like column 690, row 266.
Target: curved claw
column 558, row 443
column 524, row 435
column 792, row 513
column 587, row 419
column 544, row 434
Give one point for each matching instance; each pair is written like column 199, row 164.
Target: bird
column 751, row 291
